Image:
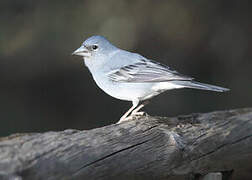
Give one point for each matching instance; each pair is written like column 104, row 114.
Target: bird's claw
column 133, row 116
column 141, row 113
column 129, row 118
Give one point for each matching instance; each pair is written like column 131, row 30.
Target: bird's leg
column 124, row 117
column 136, row 111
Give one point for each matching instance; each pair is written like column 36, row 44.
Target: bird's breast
column 123, row 90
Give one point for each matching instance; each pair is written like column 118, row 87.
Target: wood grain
column 145, row 148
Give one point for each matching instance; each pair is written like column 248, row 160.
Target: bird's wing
column 146, row 71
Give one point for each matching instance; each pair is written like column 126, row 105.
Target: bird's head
column 94, row 46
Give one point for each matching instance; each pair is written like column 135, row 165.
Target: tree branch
column 146, row 148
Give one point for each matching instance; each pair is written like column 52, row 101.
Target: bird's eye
column 94, row 47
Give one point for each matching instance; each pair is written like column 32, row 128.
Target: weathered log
column 145, row 148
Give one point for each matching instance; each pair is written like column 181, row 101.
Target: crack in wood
column 223, row 145
column 156, row 147
column 215, row 150
column 112, row 154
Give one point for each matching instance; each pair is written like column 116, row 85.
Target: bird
column 130, row 76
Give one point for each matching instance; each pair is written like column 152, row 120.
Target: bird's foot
column 124, row 119
column 132, row 116
column 141, row 113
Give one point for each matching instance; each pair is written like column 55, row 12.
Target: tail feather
column 202, row 86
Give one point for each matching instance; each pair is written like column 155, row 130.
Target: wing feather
column 146, row 71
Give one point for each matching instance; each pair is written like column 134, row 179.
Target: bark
column 144, row 148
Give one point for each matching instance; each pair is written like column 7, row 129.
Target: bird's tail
column 202, row 86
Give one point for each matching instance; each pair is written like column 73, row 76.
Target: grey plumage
column 146, row 71
column 130, row 76
column 202, row 86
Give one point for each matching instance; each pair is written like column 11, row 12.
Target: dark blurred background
column 44, row 88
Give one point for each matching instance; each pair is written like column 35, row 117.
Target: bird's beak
column 82, row 51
